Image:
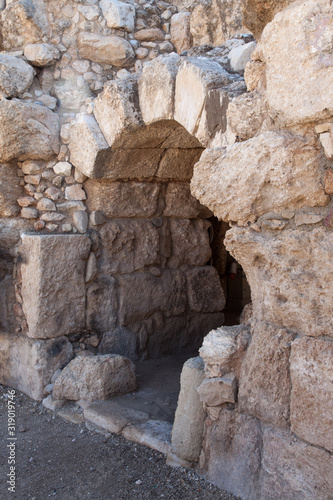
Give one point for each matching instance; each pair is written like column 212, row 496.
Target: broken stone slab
column 102, row 305
column 112, row 416
column 155, row 434
column 157, row 88
column 10, row 191
column 96, row 377
column 298, row 88
column 119, row 15
column 291, row 302
column 180, row 31
column 200, row 102
column 16, row 75
column 53, row 288
column 240, row 56
column 205, row 293
column 265, row 161
column 217, row 391
column 311, row 382
column 246, row 114
column 264, row 388
column 41, row 54
column 188, row 427
column 106, row 49
column 28, row 365
column 27, row 131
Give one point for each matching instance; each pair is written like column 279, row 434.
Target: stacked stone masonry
column 124, row 126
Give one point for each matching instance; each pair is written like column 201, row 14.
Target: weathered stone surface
column 254, row 75
column 10, row 190
column 71, row 96
column 246, row 114
column 180, row 203
column 95, row 377
column 329, row 181
column 53, row 288
column 27, row 131
column 16, row 76
column 223, row 349
column 23, row 22
column 154, row 433
column 28, row 365
column 204, row 288
column 188, row 427
column 299, row 69
column 312, row 391
column 200, row 103
column 157, row 88
column 293, row 470
column 117, row 111
column 190, row 242
column 80, row 219
column 111, row 416
column 264, row 389
column 180, row 31
column 10, row 234
column 150, row 35
column 102, row 303
column 122, row 199
column 228, row 444
column 141, row 294
column 119, row 341
column 118, row 14
column 279, row 270
column 280, row 171
column 106, row 49
column 128, row 245
column 178, row 163
column 240, row 56
column 41, row 54
column 214, row 21
column 217, row 391
column 327, row 143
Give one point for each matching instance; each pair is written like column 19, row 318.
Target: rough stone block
column 217, row 391
column 178, row 163
column 246, row 114
column 106, row 49
column 53, row 288
column 190, row 242
column 241, row 55
column 312, row 391
column 180, row 203
column 102, row 305
column 204, row 288
column 188, row 427
column 16, row 75
column 180, row 31
column 41, row 54
column 119, row 341
column 10, row 191
column 264, row 389
column 119, row 15
column 28, row 365
column 95, row 377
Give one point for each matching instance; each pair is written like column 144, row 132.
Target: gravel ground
column 58, row 459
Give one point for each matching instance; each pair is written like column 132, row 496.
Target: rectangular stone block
column 102, row 305
column 28, row 365
column 204, row 288
column 53, row 287
column 180, row 203
column 178, row 163
column 312, row 391
column 190, row 242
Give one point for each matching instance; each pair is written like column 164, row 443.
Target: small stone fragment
column 75, row 193
column 80, row 219
column 46, row 205
column 29, row 213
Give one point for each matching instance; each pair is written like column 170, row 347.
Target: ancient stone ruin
column 145, row 146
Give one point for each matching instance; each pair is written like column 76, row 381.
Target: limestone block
column 7, row 295
column 287, row 288
column 312, row 391
column 246, row 114
column 180, row 31
column 200, row 102
column 141, row 294
column 292, row 469
column 102, row 303
column 188, row 427
column 190, row 242
column 213, row 22
column 106, row 49
column 119, row 341
column 254, row 75
column 27, row 131
column 150, row 35
column 95, row 377
column 10, row 234
column 118, row 14
column 128, row 245
column 53, row 288
column 16, row 75
column 298, row 63
column 326, row 140
column 264, row 389
column 28, row 365
column 41, row 54
column 117, row 111
column 280, row 171
column 157, row 88
column 178, row 163
column 180, row 203
column 204, row 288
column 87, row 145
column 10, row 190
column 112, row 416
column 222, row 350
column 71, row 96
column 217, row 391
column 240, row 56
column 122, row 199
column 129, row 163
column 23, row 22
column 228, row 444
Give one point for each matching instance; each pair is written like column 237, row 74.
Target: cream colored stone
column 106, row 49
column 327, row 143
column 246, row 114
column 118, row 14
column 290, row 276
column 241, row 55
column 217, row 391
column 150, row 35
column 16, row 75
column 41, row 54
column 254, row 75
column 280, row 171
column 180, row 31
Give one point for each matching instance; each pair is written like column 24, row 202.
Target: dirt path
column 65, row 461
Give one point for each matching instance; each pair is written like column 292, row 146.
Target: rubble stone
column 106, row 49
column 16, row 75
column 41, row 54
